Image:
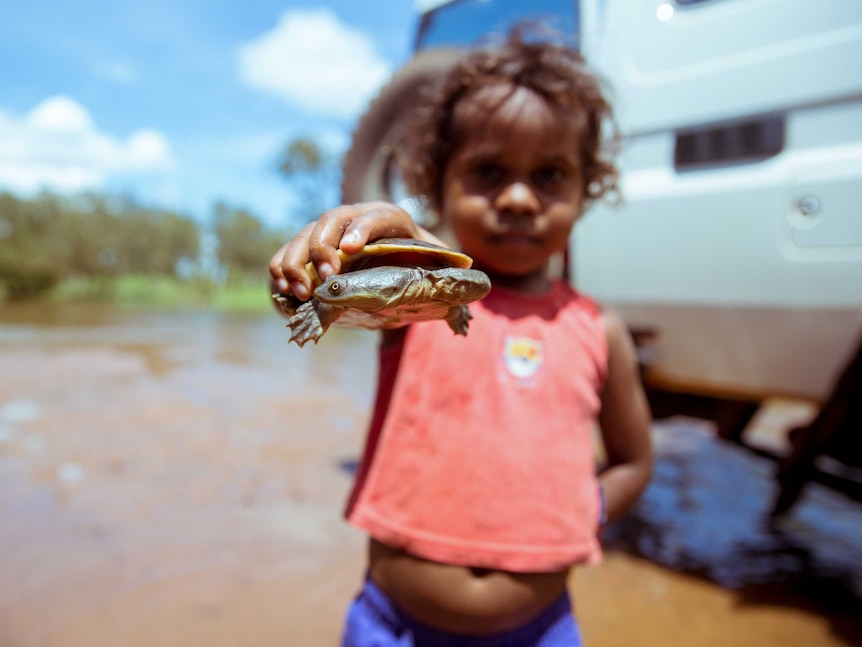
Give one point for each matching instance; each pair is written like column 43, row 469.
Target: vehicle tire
column 367, row 168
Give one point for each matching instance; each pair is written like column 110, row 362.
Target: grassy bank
column 165, row 292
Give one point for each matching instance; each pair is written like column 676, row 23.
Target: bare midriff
column 459, row 599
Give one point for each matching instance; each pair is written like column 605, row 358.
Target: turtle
column 389, row 283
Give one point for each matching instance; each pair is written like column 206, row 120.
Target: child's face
column 513, row 187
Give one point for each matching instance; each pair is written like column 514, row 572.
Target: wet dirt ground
column 176, row 479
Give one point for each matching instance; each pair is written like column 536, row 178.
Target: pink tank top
column 480, row 451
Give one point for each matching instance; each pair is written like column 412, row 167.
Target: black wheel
column 368, row 170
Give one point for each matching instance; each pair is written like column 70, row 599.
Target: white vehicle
column 739, row 240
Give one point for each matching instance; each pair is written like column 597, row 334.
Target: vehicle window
column 467, row 22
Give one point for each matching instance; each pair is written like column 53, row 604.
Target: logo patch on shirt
column 523, row 356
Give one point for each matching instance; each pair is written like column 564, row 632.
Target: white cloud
column 57, row 146
column 61, row 115
column 147, row 149
column 119, row 72
column 313, row 61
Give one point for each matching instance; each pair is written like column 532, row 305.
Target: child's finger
column 291, row 265
column 379, row 220
column 276, row 271
column 325, row 239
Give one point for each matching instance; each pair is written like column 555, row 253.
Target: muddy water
column 176, row 479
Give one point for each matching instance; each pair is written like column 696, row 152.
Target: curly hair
column 554, row 72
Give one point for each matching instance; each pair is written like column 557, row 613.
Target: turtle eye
column 334, row 288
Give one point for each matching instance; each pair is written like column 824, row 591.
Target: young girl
column 478, row 486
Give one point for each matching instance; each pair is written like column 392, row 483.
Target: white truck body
column 740, row 236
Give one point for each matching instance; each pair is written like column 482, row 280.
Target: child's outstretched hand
column 349, row 228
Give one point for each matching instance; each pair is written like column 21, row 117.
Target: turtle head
column 366, row 289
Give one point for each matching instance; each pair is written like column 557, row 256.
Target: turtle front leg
column 310, row 321
column 458, row 319
column 284, row 304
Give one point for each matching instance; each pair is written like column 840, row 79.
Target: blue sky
column 184, row 103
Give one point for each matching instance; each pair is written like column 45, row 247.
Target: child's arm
column 347, row 227
column 625, row 423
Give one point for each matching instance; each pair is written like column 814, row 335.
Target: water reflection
column 171, row 339
column 706, row 512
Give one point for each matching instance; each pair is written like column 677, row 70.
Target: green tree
column 151, row 241
column 312, row 174
column 32, row 252
column 47, row 239
column 245, row 244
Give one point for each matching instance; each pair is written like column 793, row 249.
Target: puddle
column 173, row 479
column 706, row 513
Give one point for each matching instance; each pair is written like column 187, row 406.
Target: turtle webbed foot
column 459, row 319
column 305, row 325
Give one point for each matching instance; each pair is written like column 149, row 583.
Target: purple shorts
column 374, row 621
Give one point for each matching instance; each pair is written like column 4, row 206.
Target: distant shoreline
column 244, row 294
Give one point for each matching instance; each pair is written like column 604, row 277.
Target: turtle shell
column 403, row 252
